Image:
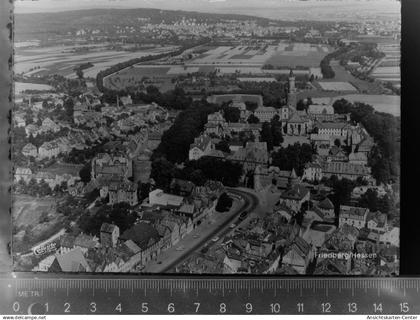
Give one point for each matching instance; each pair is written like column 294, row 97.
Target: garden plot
column 61, row 61
column 337, row 86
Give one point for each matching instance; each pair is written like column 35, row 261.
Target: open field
column 27, row 210
column 282, row 54
column 244, row 60
column 337, row 86
column 389, row 68
column 62, row 60
column 382, row 103
column 363, row 86
column 221, row 98
column 301, row 54
column 35, row 220
column 22, row 86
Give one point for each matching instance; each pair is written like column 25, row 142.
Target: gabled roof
column 187, row 208
column 320, row 109
column 366, row 144
column 279, row 207
column 44, row 175
column 184, row 185
column 108, row 227
column 336, row 151
column 265, row 109
column 331, row 266
column 132, row 246
column 358, row 156
column 67, row 241
column 126, row 186
column 166, row 198
column 73, row 261
column 326, row 204
column 378, row 217
column 201, row 142
column 28, row 147
column 141, row 234
column 353, row 212
column 301, row 247
column 320, row 137
column 345, row 168
column 297, row 192
column 216, row 154
column 333, row 125
column 85, row 241
column 22, row 171
column 313, row 165
column 295, row 118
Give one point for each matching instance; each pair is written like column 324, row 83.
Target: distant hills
column 277, row 9
column 65, row 20
column 35, row 24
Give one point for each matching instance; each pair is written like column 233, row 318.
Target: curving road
column 251, row 202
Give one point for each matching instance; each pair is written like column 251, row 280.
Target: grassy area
column 57, row 60
column 27, row 210
column 341, row 74
column 304, row 55
column 311, row 59
column 34, row 220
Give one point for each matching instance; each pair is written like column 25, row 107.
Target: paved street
column 257, row 208
column 217, row 225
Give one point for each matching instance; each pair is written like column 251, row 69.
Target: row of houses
column 53, row 176
column 74, row 139
column 314, row 240
column 47, row 125
column 159, row 227
column 315, row 171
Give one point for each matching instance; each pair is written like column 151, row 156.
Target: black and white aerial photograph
column 206, row 137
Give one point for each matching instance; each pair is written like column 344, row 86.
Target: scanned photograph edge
column 206, row 137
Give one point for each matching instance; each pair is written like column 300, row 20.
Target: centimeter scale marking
column 85, row 294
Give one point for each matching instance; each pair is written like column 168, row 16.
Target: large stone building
column 49, row 150
column 316, row 171
column 298, row 255
column 338, row 129
column 345, row 170
column 353, row 216
column 107, row 165
column 312, row 172
column 295, row 122
column 321, row 112
column 252, row 155
column 298, row 124
column 265, row 114
column 124, row 191
column 294, row 197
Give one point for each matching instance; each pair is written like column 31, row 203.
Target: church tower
column 292, row 93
